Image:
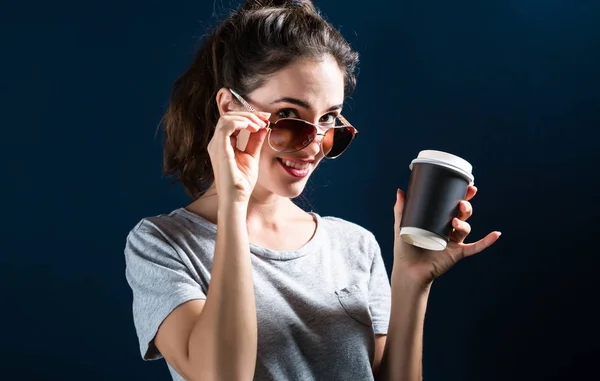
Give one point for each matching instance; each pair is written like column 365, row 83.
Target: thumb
column 398, row 209
column 255, row 142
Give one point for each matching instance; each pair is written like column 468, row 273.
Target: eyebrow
column 303, row 104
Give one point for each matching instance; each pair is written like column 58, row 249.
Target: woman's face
column 309, row 89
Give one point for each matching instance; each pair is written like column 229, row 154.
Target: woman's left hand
column 423, row 266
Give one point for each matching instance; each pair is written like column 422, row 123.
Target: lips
column 295, row 168
column 296, row 164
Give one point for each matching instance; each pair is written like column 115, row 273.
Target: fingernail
column 265, row 114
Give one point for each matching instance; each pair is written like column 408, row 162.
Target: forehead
column 318, row 82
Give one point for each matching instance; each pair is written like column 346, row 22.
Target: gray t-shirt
column 318, row 307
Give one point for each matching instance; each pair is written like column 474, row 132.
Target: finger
column 471, row 192
column 257, row 117
column 482, row 244
column 461, row 230
column 465, row 210
column 247, row 121
column 398, row 209
column 229, row 124
column 255, row 142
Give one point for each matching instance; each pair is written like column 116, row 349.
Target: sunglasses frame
column 344, row 121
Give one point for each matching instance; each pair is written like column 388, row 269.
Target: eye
column 328, row 119
column 287, row 113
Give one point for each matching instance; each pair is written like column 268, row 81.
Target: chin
column 283, row 188
column 291, row 191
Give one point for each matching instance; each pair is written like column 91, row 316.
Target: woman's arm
column 217, row 339
column 412, row 275
column 403, row 352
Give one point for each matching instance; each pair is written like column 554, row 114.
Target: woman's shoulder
column 175, row 240
column 173, row 226
column 348, row 230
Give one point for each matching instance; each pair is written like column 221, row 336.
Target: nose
column 313, row 148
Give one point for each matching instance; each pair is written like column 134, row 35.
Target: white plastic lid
column 447, row 160
column 422, row 238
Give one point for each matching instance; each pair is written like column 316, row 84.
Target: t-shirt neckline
column 260, row 250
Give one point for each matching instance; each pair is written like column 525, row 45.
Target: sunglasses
column 287, row 135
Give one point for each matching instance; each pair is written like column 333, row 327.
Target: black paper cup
column 437, row 184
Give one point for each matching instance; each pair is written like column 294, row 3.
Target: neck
column 267, row 208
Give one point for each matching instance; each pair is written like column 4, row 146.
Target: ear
column 225, row 101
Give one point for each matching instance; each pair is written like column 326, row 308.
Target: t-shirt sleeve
column 380, row 301
column 160, row 281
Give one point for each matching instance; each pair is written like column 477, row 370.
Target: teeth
column 293, row 164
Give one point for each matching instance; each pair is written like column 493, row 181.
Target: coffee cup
column 437, row 184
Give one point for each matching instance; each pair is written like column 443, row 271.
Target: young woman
column 243, row 284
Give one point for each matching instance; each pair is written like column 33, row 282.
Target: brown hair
column 257, row 40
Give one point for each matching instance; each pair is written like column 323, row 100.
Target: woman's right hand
column 235, row 171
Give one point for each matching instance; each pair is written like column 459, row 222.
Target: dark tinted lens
column 336, row 140
column 290, row 135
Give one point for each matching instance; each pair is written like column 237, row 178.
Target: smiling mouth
column 295, row 168
column 295, row 164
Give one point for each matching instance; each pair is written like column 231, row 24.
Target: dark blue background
column 512, row 86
